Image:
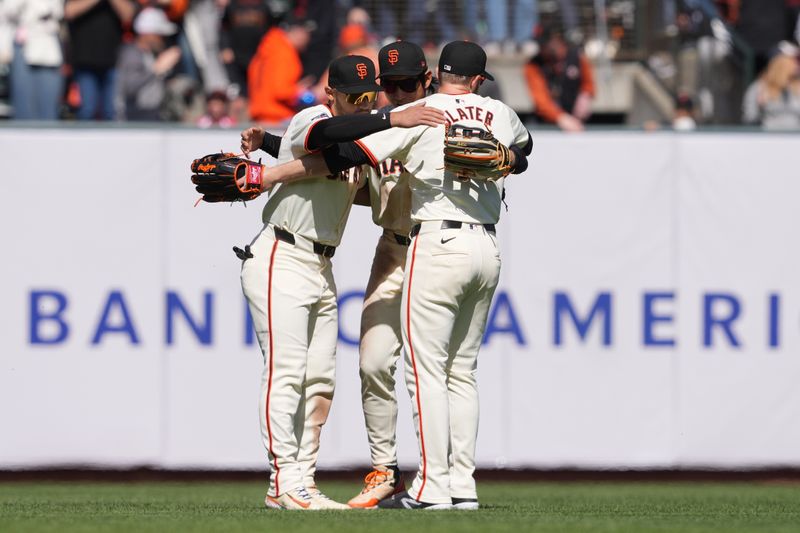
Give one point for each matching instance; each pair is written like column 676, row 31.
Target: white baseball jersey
column 390, row 196
column 439, row 194
column 316, row 208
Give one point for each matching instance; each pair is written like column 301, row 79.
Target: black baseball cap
column 464, row 58
column 352, row 75
column 402, row 58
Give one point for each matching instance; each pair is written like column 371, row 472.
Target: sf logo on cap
column 394, row 56
column 361, row 68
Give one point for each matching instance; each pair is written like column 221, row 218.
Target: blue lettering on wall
column 502, row 303
column 723, row 322
column 38, row 317
column 562, row 305
column 115, row 300
column 774, row 313
column 202, row 330
column 344, row 337
column 650, row 318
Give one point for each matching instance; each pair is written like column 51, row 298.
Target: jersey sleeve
column 392, row 143
column 518, row 129
column 300, row 128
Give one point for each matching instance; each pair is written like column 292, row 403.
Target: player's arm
column 519, row 156
column 348, row 128
column 521, row 146
column 345, row 128
column 330, row 160
column 258, row 139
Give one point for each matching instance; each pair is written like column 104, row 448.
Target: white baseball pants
column 380, row 346
column 451, row 276
column 292, row 298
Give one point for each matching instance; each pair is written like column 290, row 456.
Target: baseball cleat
column 404, row 501
column 320, row 501
column 465, row 504
column 296, row 499
column 379, row 484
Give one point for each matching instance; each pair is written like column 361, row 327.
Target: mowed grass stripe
column 540, row 507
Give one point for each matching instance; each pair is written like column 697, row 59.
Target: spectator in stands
column 561, row 82
column 244, row 23
column 275, row 75
column 36, row 81
column 385, row 16
column 322, row 44
column 95, row 32
column 773, row 100
column 765, row 23
column 683, row 119
column 430, row 22
column 201, row 25
column 145, row 64
column 353, row 40
column 216, row 112
column 525, row 18
column 175, row 11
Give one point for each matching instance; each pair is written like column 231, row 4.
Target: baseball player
column 405, row 78
column 453, row 265
column 287, row 279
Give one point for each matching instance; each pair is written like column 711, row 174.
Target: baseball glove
column 472, row 152
column 224, row 177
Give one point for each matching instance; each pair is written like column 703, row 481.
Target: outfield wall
column 648, row 314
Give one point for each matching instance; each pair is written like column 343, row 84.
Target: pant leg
column 444, row 20
column 281, row 286
column 89, row 87
column 320, row 378
column 526, row 17
column 470, row 23
column 49, row 85
column 22, row 88
column 462, row 367
column 497, row 17
column 108, row 91
column 416, row 20
column 379, row 349
column 436, row 275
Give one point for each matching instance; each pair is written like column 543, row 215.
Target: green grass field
column 540, row 507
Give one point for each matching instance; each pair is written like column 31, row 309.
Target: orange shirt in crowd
column 546, row 107
column 272, row 78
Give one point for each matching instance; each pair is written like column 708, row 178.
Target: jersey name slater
column 470, row 112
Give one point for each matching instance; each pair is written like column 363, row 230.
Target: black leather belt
column 402, row 240
column 453, row 224
column 324, row 250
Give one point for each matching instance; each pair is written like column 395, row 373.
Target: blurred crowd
column 217, row 63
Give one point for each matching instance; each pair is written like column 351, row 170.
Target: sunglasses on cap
column 359, row 98
column 407, row 85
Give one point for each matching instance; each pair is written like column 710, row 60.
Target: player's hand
column 268, row 180
column 417, row 115
column 252, row 139
column 583, row 106
column 569, row 123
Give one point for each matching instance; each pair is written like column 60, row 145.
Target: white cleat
column 320, row 501
column 296, row 499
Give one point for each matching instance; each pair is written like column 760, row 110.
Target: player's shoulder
column 489, row 102
column 310, row 115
